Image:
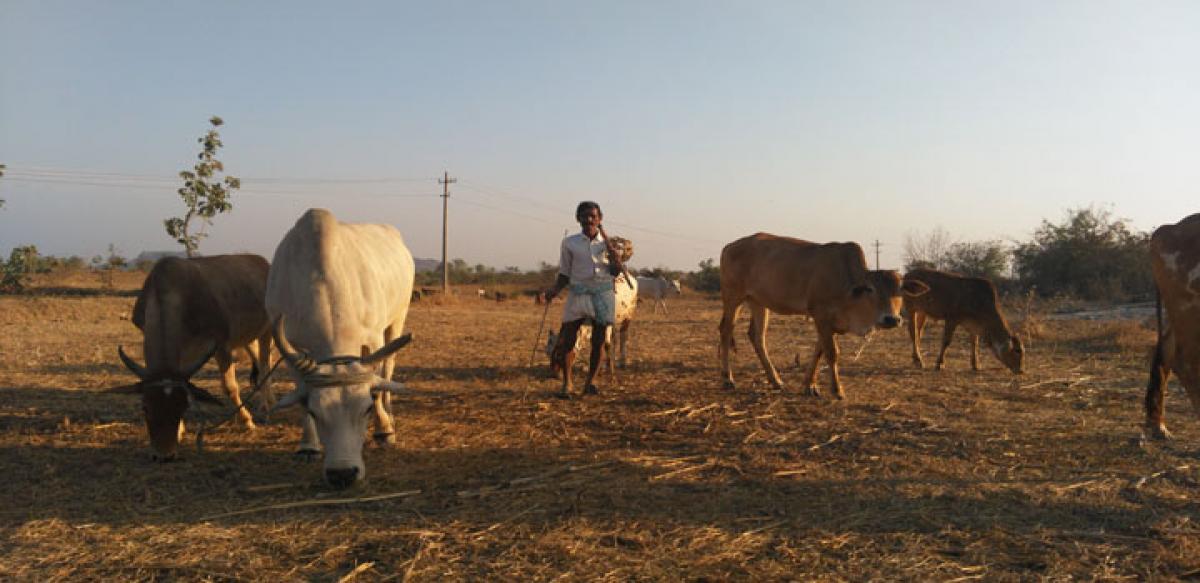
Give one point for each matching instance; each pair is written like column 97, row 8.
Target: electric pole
column 445, row 181
column 877, row 246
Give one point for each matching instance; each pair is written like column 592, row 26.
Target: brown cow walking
column 829, row 282
column 969, row 302
column 1175, row 260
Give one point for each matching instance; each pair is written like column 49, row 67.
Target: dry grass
column 951, row 476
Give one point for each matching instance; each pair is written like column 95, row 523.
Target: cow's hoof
column 591, row 389
column 1158, row 433
column 307, row 455
column 812, row 392
column 920, row 365
column 839, row 394
column 562, row 395
column 384, row 439
column 729, row 384
column 938, row 367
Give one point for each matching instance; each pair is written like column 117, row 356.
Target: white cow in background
column 339, row 294
column 657, row 289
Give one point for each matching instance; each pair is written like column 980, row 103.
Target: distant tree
column 707, row 279
column 14, row 273
column 929, row 251
column 979, row 259
column 1089, row 255
column 203, row 194
column 106, row 266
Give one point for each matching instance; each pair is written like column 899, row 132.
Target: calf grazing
column 189, row 310
column 967, row 301
column 829, row 282
column 657, row 289
column 1175, row 261
column 343, row 291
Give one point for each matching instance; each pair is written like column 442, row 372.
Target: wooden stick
column 305, row 503
column 356, row 572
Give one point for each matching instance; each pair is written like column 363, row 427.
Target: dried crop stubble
column 918, row 475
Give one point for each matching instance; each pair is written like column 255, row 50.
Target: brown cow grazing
column 829, row 282
column 1175, row 261
column 189, row 310
column 967, row 301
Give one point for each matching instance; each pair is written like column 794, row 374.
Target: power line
column 251, row 191
column 56, row 172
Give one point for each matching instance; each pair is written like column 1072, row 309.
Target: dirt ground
column 918, row 475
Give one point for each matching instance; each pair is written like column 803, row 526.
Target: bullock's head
column 675, row 288
column 340, row 395
column 876, row 303
column 1011, row 352
column 166, row 396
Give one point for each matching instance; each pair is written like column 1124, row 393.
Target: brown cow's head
column 876, row 303
column 166, row 396
column 1011, row 352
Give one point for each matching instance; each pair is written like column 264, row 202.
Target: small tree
column 106, row 266
column 707, row 279
column 204, row 195
column 979, row 259
column 14, row 274
column 1090, row 255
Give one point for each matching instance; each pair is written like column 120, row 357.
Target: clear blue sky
column 692, row 123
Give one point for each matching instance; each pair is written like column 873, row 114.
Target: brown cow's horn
column 195, row 367
column 133, row 367
column 387, row 349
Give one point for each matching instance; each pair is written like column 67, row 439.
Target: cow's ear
column 913, row 288
column 861, row 290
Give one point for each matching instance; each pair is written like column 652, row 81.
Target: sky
column 691, row 123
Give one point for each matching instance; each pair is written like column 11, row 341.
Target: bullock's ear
column 202, row 395
column 913, row 288
column 861, row 290
column 135, row 388
column 288, row 400
column 392, row 387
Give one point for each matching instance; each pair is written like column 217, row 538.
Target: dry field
column 950, row 476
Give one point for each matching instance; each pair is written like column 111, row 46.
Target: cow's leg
column 385, row 428
column 664, row 304
column 829, row 347
column 599, row 344
column 810, row 379
column 729, row 314
column 260, row 352
column 975, row 352
column 1160, row 374
column 622, row 334
column 759, row 316
column 947, row 336
column 567, row 335
column 916, row 324
column 229, row 382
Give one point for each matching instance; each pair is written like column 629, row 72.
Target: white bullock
column 339, row 294
column 626, row 304
column 656, row 289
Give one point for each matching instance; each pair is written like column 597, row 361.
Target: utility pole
column 445, row 181
column 877, row 246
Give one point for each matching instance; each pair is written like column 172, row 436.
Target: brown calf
column 969, row 302
column 829, row 282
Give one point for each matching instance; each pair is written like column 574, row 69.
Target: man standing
column 588, row 263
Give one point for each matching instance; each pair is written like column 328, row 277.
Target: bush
column 1090, row 255
column 707, row 279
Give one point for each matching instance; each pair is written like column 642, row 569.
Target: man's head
column 589, row 215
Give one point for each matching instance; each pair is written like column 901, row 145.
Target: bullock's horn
column 392, row 387
column 300, row 362
column 133, row 367
column 191, row 370
column 387, row 349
